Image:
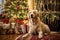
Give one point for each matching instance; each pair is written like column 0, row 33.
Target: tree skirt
column 47, row 37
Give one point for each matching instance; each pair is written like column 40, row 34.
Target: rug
column 46, row 37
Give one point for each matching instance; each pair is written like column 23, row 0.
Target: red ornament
column 24, row 25
column 5, row 20
column 26, row 8
column 18, row 27
column 19, row 21
column 18, row 7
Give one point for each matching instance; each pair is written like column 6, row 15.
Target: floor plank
column 8, row 37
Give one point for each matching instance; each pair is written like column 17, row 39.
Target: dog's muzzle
column 31, row 15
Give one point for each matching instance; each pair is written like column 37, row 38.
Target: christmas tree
column 17, row 8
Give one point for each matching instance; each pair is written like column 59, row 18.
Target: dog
column 36, row 25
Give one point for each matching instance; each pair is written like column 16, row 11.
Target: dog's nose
column 31, row 15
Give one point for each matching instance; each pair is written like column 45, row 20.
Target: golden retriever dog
column 36, row 25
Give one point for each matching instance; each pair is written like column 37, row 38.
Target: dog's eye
column 34, row 12
column 30, row 12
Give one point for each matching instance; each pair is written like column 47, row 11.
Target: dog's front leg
column 40, row 34
column 29, row 33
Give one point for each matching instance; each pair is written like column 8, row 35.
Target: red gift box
column 5, row 20
column 22, row 23
column 19, row 21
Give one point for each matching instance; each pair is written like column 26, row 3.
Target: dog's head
column 33, row 14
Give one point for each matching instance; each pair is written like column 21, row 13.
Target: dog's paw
column 24, row 36
column 40, row 36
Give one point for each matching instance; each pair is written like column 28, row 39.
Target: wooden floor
column 8, row 37
column 14, row 36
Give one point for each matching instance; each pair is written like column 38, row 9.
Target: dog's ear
column 38, row 14
column 28, row 15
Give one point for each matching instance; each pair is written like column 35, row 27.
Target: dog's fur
column 35, row 24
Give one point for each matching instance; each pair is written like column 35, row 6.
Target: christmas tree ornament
column 23, row 7
column 12, row 11
column 11, row 14
column 20, row 6
column 7, row 9
column 19, row 12
column 18, row 16
column 26, row 8
column 11, row 20
column 22, row 11
column 10, row 6
column 12, row 3
column 21, row 2
column 15, row 2
column 17, row 7
column 15, row 16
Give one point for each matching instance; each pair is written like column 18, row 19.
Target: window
column 52, row 5
column 0, row 6
column 2, row 2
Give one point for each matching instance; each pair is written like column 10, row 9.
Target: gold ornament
column 20, row 6
column 10, row 6
column 12, row 3
column 23, row 7
column 11, row 14
column 22, row 11
column 12, row 20
column 19, row 12
column 15, row 17
column 7, row 9
column 18, row 16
